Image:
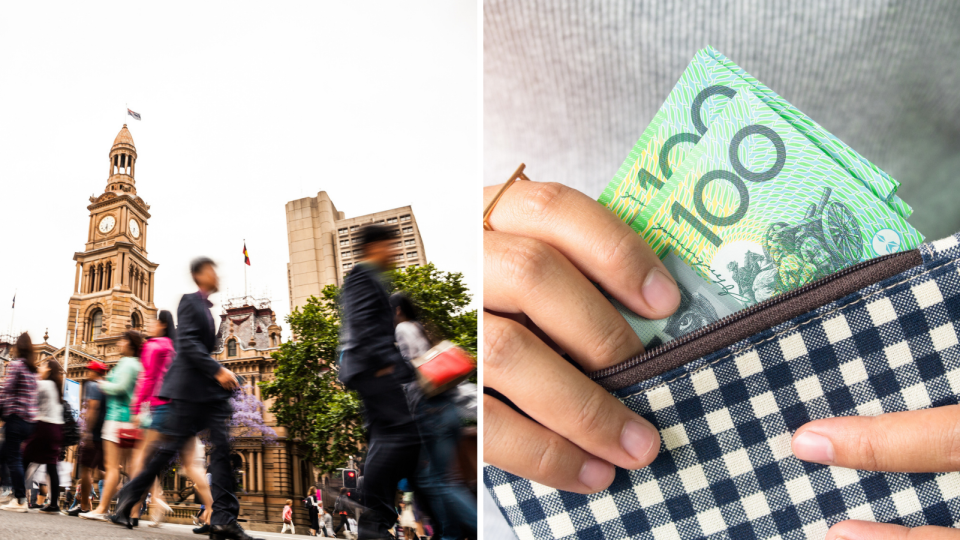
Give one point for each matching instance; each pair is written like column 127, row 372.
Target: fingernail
column 810, row 446
column 596, row 474
column 660, row 292
column 637, row 439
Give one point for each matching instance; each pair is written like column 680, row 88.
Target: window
column 411, row 254
column 232, row 347
column 96, row 325
column 347, row 266
column 397, row 257
column 405, row 218
column 358, row 252
column 407, row 230
column 345, row 242
column 396, row 232
column 344, row 253
column 342, row 232
column 354, row 228
column 402, row 267
column 414, row 265
column 379, row 222
column 135, row 321
column 392, row 220
column 396, row 245
column 410, row 242
column 356, row 240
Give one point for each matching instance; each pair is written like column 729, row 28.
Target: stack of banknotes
column 744, row 198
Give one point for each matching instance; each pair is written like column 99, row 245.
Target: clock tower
column 113, row 288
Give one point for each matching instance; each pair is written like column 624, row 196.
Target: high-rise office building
column 324, row 244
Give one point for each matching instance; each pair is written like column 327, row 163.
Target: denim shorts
column 159, row 417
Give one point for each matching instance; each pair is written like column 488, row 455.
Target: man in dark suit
column 199, row 389
column 372, row 365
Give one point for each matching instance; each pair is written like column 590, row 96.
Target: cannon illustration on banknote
column 824, row 241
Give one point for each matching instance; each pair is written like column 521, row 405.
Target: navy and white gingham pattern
column 725, row 468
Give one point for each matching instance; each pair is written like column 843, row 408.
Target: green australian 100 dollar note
column 702, row 302
column 702, row 93
column 877, row 181
column 757, row 204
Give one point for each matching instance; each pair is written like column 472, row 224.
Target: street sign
column 71, row 394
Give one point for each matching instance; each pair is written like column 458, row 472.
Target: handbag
column 129, row 436
column 878, row 337
column 443, row 367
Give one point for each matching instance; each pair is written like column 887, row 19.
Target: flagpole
column 66, row 364
column 244, row 270
column 13, row 311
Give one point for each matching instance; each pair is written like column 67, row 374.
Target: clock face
column 106, row 224
column 134, row 228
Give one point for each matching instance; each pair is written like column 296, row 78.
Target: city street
column 14, row 526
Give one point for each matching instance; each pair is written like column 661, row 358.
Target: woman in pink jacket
column 150, row 410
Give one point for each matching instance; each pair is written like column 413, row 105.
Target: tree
column 247, row 418
column 311, row 402
column 441, row 298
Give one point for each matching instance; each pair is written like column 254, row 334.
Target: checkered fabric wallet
column 878, row 337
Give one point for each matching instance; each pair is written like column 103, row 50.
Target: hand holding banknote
column 548, row 246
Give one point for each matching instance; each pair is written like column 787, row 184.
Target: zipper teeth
column 733, row 317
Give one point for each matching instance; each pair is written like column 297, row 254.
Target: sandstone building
column 113, row 292
column 324, row 246
column 113, row 287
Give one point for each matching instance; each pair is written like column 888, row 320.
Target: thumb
column 866, row 530
column 913, row 441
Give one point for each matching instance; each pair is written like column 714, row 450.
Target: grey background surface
column 569, row 87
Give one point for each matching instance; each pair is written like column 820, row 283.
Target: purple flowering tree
column 247, row 419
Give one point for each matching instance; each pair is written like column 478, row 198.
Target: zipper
column 897, row 263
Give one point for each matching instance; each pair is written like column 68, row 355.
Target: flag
column 246, row 256
column 14, row 301
column 133, row 114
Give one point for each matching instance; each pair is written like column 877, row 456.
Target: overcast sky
column 245, row 106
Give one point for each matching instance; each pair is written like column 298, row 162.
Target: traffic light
column 350, row 478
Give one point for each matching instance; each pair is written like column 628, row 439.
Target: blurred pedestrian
column 150, row 410
column 372, row 366
column 341, row 507
column 287, row 517
column 199, row 389
column 313, row 506
column 90, row 451
column 18, row 408
column 452, row 505
column 325, row 521
column 118, row 389
column 43, row 446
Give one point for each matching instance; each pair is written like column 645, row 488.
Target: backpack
column 70, row 430
column 306, row 503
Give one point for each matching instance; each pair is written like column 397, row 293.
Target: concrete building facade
column 324, row 243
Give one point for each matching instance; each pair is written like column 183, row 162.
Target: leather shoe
column 74, row 512
column 121, row 515
column 233, row 531
column 203, row 529
column 120, row 519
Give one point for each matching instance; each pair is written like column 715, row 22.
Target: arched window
column 96, row 325
column 135, row 321
column 232, row 347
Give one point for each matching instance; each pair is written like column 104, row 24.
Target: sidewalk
column 40, row 526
